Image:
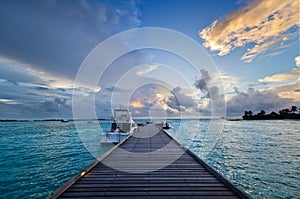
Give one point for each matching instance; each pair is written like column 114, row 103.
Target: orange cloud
column 136, row 104
column 262, row 23
column 282, row 77
column 290, row 95
column 290, row 90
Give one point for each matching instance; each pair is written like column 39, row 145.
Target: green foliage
column 283, row 114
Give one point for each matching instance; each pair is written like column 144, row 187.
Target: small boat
column 166, row 125
column 64, row 120
column 160, row 124
column 234, row 119
column 122, row 126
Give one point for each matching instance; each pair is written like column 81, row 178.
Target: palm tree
column 250, row 113
column 262, row 112
column 294, row 109
column 284, row 111
column 247, row 115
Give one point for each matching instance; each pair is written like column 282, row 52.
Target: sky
column 247, row 52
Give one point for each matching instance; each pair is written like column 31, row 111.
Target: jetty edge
column 186, row 177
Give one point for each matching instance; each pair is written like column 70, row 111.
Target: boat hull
column 112, row 137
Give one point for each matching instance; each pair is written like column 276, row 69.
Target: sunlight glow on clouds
column 289, row 90
column 290, row 83
column 176, row 102
column 294, row 74
column 136, row 104
column 297, row 60
column 19, row 74
column 261, row 24
column 42, row 46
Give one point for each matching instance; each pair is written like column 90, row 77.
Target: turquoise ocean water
column 262, row 157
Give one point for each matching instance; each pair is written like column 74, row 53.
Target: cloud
column 202, row 82
column 56, row 36
column 157, row 100
column 12, row 71
column 290, row 86
column 147, row 96
column 114, row 89
column 288, row 90
column 270, row 99
column 180, row 101
column 25, row 75
column 282, row 77
column 215, row 100
column 258, row 25
column 216, row 104
column 224, row 79
column 147, row 69
column 297, row 60
column 55, row 108
column 28, row 93
column 136, row 104
column 42, row 45
column 255, row 101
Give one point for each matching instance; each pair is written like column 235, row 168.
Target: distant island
column 292, row 113
column 46, row 120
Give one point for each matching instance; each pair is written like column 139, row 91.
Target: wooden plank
column 180, row 187
column 152, row 197
column 171, row 184
column 146, row 193
column 186, row 177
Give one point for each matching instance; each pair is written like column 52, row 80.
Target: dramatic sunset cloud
column 290, row 83
column 294, row 74
column 136, row 104
column 290, row 90
column 258, row 26
column 44, row 43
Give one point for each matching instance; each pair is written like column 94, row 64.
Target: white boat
column 122, row 126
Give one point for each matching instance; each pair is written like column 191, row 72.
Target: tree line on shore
column 292, row 113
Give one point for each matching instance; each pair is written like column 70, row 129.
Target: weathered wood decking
column 149, row 164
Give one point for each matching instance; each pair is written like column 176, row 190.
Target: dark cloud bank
column 56, row 36
column 52, row 37
column 256, row 101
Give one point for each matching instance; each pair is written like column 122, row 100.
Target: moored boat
column 122, row 126
column 166, row 125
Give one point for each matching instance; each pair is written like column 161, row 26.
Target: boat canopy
column 121, row 115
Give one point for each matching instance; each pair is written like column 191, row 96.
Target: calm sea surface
column 262, row 157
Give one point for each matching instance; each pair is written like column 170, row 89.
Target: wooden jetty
column 149, row 164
